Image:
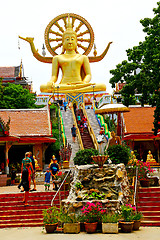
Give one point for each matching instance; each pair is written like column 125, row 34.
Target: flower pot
column 65, row 164
column 110, row 227
column 50, row 228
column 71, row 227
column 145, row 183
column 100, row 160
column 90, row 227
column 126, row 227
column 136, row 224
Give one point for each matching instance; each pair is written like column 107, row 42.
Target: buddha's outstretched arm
column 99, row 58
column 35, row 52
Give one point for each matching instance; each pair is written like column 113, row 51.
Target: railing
column 91, row 132
column 60, row 187
column 136, row 189
column 62, row 128
column 78, row 132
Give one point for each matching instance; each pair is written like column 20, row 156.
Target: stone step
column 149, row 189
column 150, row 208
column 147, row 199
column 149, row 194
column 17, row 225
column 150, row 223
column 149, row 203
column 13, row 213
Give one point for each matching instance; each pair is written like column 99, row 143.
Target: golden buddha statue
column 76, row 73
column 114, row 140
column 36, row 163
column 132, row 158
column 75, row 67
column 150, row 158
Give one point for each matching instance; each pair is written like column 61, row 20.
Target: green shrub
column 119, row 154
column 51, row 215
column 83, row 157
column 110, row 218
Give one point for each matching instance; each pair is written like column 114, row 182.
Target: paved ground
column 14, row 189
column 37, row 233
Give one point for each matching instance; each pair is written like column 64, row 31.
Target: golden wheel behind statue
column 55, row 29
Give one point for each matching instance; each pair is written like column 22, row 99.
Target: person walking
column 47, row 177
column 23, row 166
column 65, row 105
column 54, row 168
column 33, row 172
column 73, row 131
column 26, row 179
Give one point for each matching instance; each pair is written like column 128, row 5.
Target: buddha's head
column 69, row 38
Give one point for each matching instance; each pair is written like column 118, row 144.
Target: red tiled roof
column 27, row 122
column 7, row 72
column 139, row 120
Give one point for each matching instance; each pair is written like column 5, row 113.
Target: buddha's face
column 69, row 41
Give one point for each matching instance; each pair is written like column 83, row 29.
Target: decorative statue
column 132, row 157
column 36, row 163
column 101, row 140
column 114, row 140
column 150, row 158
column 75, row 67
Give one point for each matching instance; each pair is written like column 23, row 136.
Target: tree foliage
column 15, row 97
column 84, row 157
column 119, row 154
column 141, row 72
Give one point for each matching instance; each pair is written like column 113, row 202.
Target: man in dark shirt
column 73, row 131
column 34, row 172
column 54, row 168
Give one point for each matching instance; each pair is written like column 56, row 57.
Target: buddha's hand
column 50, row 85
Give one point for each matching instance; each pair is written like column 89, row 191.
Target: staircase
column 93, row 121
column 13, row 213
column 68, row 124
column 85, row 136
column 149, row 205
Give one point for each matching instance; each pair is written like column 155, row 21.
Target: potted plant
column 110, row 222
column 143, row 170
column 137, row 216
column 126, row 224
column 70, row 222
column 79, row 185
column 50, row 219
column 91, row 214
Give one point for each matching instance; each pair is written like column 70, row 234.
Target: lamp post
column 58, row 93
column 93, row 92
column 59, row 127
column 93, row 95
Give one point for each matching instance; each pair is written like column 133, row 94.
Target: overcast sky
column 112, row 20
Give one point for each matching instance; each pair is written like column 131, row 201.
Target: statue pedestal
column 77, row 98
